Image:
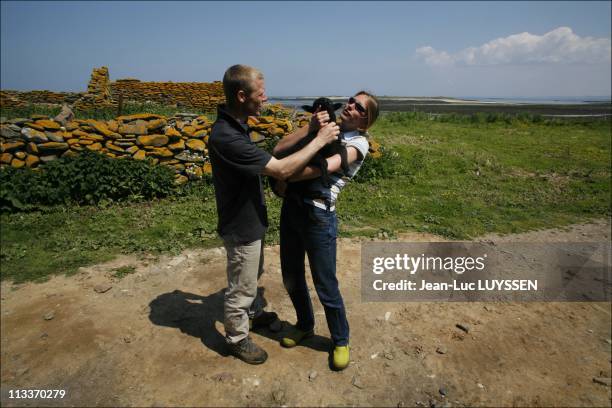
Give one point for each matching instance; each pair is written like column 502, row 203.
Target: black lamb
column 319, row 160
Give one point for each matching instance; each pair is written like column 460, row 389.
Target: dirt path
column 155, row 338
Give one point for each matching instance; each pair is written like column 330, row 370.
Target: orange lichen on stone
column 94, row 137
column 180, row 145
column 48, row 124
column 32, row 160
column 100, row 127
column 137, row 127
column 266, row 119
column 172, row 132
column 143, row 116
column 160, row 152
column 70, row 126
column 139, row 155
column 79, row 133
column 10, row 146
column 53, row 146
column 35, row 126
column 110, row 146
column 156, row 124
column 16, row 163
column 112, row 125
column 196, row 145
column 152, row 140
column 276, row 131
column 132, row 149
column 188, row 130
column 200, row 133
column 6, row 158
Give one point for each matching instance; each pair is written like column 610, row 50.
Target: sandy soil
column 155, row 338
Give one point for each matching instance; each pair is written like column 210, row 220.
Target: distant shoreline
column 468, row 100
column 444, row 105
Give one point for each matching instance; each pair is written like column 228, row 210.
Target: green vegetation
column 459, row 179
column 88, row 178
column 128, row 108
column 62, row 238
column 462, row 180
column 123, row 271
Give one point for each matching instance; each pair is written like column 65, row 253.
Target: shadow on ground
column 197, row 315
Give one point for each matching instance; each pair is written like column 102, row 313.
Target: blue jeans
column 306, row 229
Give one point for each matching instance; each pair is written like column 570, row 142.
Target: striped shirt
column 339, row 180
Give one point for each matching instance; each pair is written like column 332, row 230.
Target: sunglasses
column 358, row 106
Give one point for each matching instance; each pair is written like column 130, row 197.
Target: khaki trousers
column 242, row 300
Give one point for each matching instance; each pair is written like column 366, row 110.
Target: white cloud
column 559, row 46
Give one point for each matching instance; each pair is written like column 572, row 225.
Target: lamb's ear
column 337, row 106
column 308, row 108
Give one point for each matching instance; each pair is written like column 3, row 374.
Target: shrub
column 89, row 178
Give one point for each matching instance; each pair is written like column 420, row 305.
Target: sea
column 298, row 101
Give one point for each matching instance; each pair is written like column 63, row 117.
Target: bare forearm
column 307, row 173
column 291, row 164
column 334, row 164
column 291, row 139
column 284, row 168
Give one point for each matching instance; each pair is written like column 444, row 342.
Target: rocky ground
column 154, row 337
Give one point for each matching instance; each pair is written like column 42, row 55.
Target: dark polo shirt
column 237, row 165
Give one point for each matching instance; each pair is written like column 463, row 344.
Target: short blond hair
column 239, row 77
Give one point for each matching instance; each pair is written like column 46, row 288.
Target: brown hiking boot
column 248, row 351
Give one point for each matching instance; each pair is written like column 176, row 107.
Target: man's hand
column 328, row 133
column 318, row 120
column 284, row 168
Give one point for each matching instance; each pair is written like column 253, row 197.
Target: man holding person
column 237, row 166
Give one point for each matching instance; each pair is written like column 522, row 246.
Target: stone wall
column 17, row 99
column 179, row 142
column 98, row 95
column 102, row 93
column 198, row 95
column 43, row 96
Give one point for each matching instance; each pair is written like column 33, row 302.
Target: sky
column 486, row 49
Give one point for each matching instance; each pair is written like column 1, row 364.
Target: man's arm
column 284, row 168
column 317, row 121
column 334, row 163
column 291, row 139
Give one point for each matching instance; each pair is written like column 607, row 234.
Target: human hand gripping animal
column 319, row 160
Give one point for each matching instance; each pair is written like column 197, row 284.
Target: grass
column 123, row 271
column 463, row 179
column 129, row 108
column 458, row 179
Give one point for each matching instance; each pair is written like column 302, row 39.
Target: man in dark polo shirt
column 237, row 165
